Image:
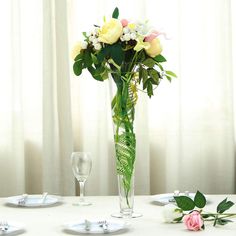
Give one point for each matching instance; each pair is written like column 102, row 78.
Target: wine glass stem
column 81, row 187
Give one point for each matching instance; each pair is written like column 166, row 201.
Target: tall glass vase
column 123, row 110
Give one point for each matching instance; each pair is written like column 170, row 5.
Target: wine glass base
column 82, row 204
column 119, row 215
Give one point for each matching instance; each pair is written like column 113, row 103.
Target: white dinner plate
column 33, row 200
column 13, row 229
column 166, row 198
column 80, row 227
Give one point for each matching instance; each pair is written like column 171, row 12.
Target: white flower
column 126, row 37
column 84, row 45
column 97, row 46
column 133, row 36
column 143, row 29
column 96, row 30
column 126, row 30
column 95, row 41
column 91, row 38
column 122, row 38
column 170, row 213
column 89, row 33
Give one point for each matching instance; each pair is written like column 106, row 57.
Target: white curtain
column 35, row 114
column 185, row 133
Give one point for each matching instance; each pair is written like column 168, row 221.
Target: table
column 48, row 221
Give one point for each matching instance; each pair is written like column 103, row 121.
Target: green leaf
column 169, row 78
column 85, row 34
column 160, row 66
column 117, row 54
column 141, row 56
column 115, row 13
column 199, row 200
column 92, row 71
column 87, row 59
column 149, row 89
column 185, row 203
column 159, row 58
column 149, row 62
column 114, row 52
column 94, row 59
column 223, row 221
column 77, row 67
column 168, row 72
column 208, row 215
column 104, row 52
column 78, row 57
column 140, row 74
column 154, row 75
column 221, row 204
column 145, row 75
column 224, row 206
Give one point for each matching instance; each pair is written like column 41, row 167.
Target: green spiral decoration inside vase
column 125, row 159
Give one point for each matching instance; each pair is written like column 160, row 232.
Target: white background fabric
column 185, row 133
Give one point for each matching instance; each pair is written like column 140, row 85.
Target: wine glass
column 81, row 166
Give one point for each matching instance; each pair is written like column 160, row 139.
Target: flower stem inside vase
column 125, row 145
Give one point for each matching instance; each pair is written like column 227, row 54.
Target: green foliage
column 149, row 62
column 159, row 58
column 114, row 51
column 222, row 221
column 224, row 205
column 154, row 76
column 168, row 72
column 185, row 203
column 199, row 200
column 149, row 89
column 77, row 67
column 115, row 13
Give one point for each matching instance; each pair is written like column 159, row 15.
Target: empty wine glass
column 81, row 165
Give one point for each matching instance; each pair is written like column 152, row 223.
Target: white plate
column 166, row 198
column 33, row 200
column 14, row 229
column 79, row 227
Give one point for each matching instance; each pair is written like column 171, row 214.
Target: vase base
column 119, row 215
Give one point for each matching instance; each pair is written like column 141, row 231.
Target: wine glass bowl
column 81, row 166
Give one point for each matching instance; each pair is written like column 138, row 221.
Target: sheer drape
column 35, row 114
column 185, row 133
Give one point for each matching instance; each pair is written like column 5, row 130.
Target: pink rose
column 151, row 36
column 154, row 34
column 124, row 22
column 193, row 221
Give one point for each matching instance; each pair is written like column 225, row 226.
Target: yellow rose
column 155, row 48
column 76, row 50
column 111, row 31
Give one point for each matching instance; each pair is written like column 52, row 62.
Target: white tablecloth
column 48, row 221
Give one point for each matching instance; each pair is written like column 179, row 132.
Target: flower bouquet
column 129, row 53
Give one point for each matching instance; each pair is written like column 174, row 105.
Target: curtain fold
column 57, row 130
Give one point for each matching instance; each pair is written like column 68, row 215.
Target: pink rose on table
column 193, row 221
